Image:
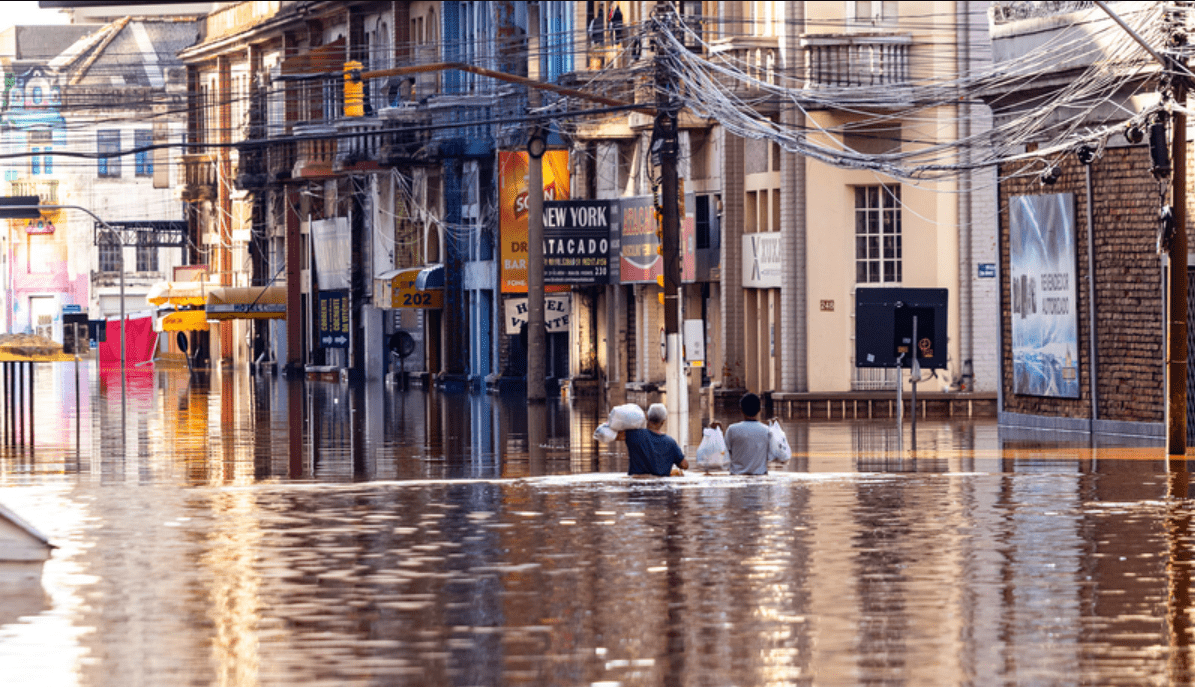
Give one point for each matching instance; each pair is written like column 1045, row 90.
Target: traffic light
column 354, row 90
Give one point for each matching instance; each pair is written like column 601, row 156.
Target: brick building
column 1083, row 296
column 1128, row 306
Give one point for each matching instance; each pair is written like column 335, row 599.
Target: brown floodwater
column 234, row 530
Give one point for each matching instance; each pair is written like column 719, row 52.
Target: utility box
column 884, row 327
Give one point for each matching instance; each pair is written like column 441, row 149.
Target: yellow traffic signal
column 354, row 90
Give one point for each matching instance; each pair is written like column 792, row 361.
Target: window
column 109, row 250
column 38, row 143
column 108, row 141
column 877, row 234
column 862, row 13
column 147, row 258
column 144, row 159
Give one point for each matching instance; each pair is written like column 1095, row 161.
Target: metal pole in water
column 78, row 400
column 20, row 394
column 4, row 417
column 900, row 406
column 32, row 388
column 914, row 377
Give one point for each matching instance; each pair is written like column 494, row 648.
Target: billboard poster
column 641, row 261
column 512, row 194
column 579, row 238
column 1042, row 276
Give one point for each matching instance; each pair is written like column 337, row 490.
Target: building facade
column 117, row 89
column 370, row 158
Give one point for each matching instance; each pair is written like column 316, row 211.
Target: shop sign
column 761, row 260
column 334, row 319
column 556, row 313
column 581, row 240
column 513, row 206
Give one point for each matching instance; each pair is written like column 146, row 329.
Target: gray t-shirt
column 747, row 445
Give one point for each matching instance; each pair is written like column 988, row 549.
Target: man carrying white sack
column 651, row 451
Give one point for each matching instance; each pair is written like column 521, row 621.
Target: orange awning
column 183, row 321
column 178, row 294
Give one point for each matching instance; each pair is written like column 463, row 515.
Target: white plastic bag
column 711, row 453
column 628, row 416
column 778, row 450
column 604, row 435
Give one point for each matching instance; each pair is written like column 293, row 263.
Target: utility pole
column 1176, row 344
column 1175, row 72
column 536, row 335
column 665, row 149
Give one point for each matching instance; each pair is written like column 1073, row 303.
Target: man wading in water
column 652, row 452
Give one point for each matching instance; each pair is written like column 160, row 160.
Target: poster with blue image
column 1042, row 281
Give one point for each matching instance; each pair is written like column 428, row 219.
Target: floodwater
column 232, row 530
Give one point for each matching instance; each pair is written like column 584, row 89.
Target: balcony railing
column 1010, row 11
column 757, row 56
column 360, row 141
column 199, row 174
column 316, row 150
column 46, row 190
column 280, row 159
column 837, row 61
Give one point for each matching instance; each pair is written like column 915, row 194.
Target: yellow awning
column 183, row 321
column 178, row 294
column 398, row 289
column 246, row 303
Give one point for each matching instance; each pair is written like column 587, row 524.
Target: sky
column 25, row 13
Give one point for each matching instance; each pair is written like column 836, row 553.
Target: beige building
column 796, row 235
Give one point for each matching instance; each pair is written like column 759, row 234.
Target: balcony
column 281, row 157
column 239, row 16
column 1007, row 11
column 853, row 60
column 316, row 151
column 199, row 174
column 757, row 56
column 46, row 190
column 359, row 144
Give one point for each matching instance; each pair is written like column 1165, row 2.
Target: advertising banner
column 512, row 193
column 1042, row 276
column 641, row 261
column 581, row 240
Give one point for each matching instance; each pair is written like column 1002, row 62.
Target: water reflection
column 250, row 531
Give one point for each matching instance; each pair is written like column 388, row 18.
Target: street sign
column 334, row 318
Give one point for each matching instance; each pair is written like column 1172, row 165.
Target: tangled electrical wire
column 713, row 82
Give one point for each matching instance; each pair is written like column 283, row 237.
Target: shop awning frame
column 246, row 303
